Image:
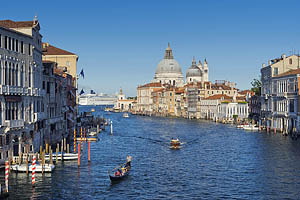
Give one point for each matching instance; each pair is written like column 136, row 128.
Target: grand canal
column 216, row 162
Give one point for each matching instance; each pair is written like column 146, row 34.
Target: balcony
column 14, row 123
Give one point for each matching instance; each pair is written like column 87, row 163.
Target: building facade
column 21, row 96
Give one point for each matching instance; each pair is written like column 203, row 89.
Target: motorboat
column 251, row 127
column 175, row 144
column 242, row 125
column 125, row 115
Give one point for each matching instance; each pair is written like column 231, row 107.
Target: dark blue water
column 216, row 162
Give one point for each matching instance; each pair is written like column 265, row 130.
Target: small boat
column 241, row 125
column 93, row 110
column 92, row 133
column 120, row 172
column 175, row 144
column 251, row 128
column 38, row 167
column 125, row 115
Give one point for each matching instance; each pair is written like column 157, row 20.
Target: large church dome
column 168, row 70
column 168, row 66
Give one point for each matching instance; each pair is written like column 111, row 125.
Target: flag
column 81, row 73
column 81, row 92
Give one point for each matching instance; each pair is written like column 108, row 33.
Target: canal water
column 216, row 162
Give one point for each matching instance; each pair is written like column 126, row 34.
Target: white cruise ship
column 97, row 99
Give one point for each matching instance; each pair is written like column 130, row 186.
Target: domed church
column 168, row 70
column 197, row 73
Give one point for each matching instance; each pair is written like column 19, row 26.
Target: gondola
column 115, row 179
column 124, row 169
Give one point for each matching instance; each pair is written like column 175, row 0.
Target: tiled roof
column 126, row 100
column 13, row 24
column 158, row 90
column 291, row 72
column 179, row 90
column 218, row 96
column 52, row 50
column 156, row 84
column 48, row 61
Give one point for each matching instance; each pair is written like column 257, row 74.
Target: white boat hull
column 67, row 156
column 38, row 168
column 250, row 128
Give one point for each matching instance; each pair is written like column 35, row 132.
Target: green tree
column 256, row 86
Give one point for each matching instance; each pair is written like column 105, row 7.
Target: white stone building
column 231, row 110
column 123, row 104
column 277, row 93
column 21, row 96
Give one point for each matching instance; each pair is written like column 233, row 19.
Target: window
column 291, row 61
column 292, row 105
column 5, row 42
column 22, row 47
column 13, row 44
column 17, row 46
column 48, row 87
column 9, row 43
column 0, row 41
column 29, row 50
column 43, row 84
column 275, row 71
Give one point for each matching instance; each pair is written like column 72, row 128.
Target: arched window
column 174, row 82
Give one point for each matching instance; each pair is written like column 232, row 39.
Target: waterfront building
column 285, row 99
column 200, row 90
column 144, row 97
column 230, row 111
column 168, row 70
column 277, row 93
column 123, row 104
column 209, row 106
column 180, row 109
column 254, row 107
column 65, row 60
column 21, row 95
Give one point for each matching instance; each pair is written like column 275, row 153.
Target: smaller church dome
column 193, row 70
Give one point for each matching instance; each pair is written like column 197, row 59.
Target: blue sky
column 119, row 43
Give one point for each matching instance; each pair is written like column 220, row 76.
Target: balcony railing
column 14, row 123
